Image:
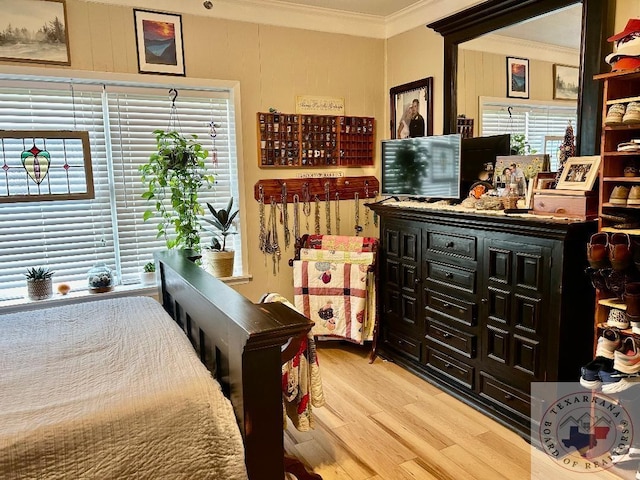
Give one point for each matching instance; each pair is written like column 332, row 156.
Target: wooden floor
column 384, row 423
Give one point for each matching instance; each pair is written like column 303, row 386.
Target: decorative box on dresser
column 483, row 305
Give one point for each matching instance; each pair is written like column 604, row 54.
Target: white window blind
column 71, row 236
column 535, row 120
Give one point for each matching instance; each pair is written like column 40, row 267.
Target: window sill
column 22, row 303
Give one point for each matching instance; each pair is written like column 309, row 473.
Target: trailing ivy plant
column 173, row 177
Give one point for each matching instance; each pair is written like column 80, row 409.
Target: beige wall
column 273, row 65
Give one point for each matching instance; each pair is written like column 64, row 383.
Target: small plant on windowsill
column 174, row 176
column 39, row 283
column 148, row 275
column 216, row 259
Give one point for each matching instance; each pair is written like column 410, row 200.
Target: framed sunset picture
column 159, row 42
column 517, row 77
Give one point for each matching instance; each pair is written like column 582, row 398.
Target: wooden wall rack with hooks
column 346, row 187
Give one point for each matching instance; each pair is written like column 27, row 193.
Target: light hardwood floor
column 384, row 423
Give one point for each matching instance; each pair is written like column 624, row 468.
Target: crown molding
column 284, row 14
column 516, row 47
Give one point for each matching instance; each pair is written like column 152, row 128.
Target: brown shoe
column 632, row 301
column 620, row 251
column 619, row 195
column 598, row 250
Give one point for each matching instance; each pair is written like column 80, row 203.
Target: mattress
column 110, row 389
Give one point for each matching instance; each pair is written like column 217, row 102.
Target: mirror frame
column 495, row 14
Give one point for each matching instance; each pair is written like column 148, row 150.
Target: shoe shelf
column 613, row 303
column 622, row 128
column 623, row 100
column 617, row 205
column 628, row 231
column 621, row 154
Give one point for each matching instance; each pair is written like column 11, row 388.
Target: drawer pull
column 508, row 396
column 448, row 275
column 448, row 365
column 446, row 305
column 417, row 281
column 449, row 245
column 446, row 335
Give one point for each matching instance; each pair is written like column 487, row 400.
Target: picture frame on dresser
column 401, row 99
column 579, row 173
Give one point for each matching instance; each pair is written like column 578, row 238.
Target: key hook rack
column 346, row 187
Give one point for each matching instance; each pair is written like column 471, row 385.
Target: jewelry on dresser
column 306, row 204
column 317, row 216
column 285, row 215
column 296, row 217
column 337, row 213
column 358, row 228
column 327, row 207
column 262, row 236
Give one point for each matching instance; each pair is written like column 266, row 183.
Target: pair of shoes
column 590, row 373
column 626, row 366
column 615, row 249
column 623, row 453
column 598, row 280
column 623, row 195
column 615, row 114
column 618, row 319
column 632, row 113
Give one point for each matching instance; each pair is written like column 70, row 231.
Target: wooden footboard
column 240, row 343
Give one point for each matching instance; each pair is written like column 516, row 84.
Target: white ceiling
column 381, row 8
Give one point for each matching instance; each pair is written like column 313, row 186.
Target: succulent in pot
column 148, row 275
column 216, row 259
column 39, row 283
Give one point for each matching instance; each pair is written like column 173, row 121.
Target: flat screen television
column 422, row 167
column 478, row 158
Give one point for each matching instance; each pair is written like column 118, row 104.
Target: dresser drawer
column 452, row 276
column 446, row 307
column 461, row 342
column 442, row 243
column 449, row 366
column 505, row 395
column 403, row 344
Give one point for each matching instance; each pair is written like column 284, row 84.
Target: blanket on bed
column 110, row 389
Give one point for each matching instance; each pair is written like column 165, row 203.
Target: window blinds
column 71, row 236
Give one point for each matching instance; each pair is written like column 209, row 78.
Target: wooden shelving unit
column 288, row 140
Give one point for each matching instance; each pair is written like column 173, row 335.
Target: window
column 71, row 236
column 537, row 121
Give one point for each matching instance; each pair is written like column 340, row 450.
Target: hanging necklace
column 306, row 204
column 358, row 228
column 262, row 237
column 327, row 207
column 366, row 209
column 296, row 218
column 317, row 216
column 337, row 213
column 285, row 216
column 274, row 248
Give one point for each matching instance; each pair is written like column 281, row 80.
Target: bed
column 112, row 389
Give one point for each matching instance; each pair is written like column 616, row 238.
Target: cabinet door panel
column 497, row 344
column 498, row 305
column 409, row 278
column 529, row 272
column 410, row 244
column 528, row 314
column 500, row 268
column 392, row 273
column 392, row 242
column 527, row 355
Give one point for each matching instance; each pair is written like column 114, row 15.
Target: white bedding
column 110, row 389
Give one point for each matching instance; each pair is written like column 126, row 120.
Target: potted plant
column 173, row 176
column 216, row 259
column 148, row 275
column 39, row 283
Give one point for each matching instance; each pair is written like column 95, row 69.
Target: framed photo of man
column 412, row 109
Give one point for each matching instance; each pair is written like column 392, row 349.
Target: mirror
column 496, row 14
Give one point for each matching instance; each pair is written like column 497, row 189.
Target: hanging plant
column 173, row 177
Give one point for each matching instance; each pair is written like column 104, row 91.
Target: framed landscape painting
column 565, row 82
column 517, row 77
column 159, row 42
column 34, row 31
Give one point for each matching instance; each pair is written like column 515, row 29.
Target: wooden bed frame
column 241, row 343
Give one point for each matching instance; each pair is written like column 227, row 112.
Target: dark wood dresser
column 483, row 305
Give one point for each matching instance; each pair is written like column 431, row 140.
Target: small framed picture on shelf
column 517, row 77
column 579, row 173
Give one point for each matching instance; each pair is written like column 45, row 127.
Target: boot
column 632, row 301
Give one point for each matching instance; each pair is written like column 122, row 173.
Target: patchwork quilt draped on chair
column 334, row 286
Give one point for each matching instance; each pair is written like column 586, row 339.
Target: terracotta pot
column 217, row 263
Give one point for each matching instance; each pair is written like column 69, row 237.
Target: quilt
column 110, row 389
column 334, row 296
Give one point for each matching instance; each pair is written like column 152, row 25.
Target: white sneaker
column 617, row 318
column 624, row 454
